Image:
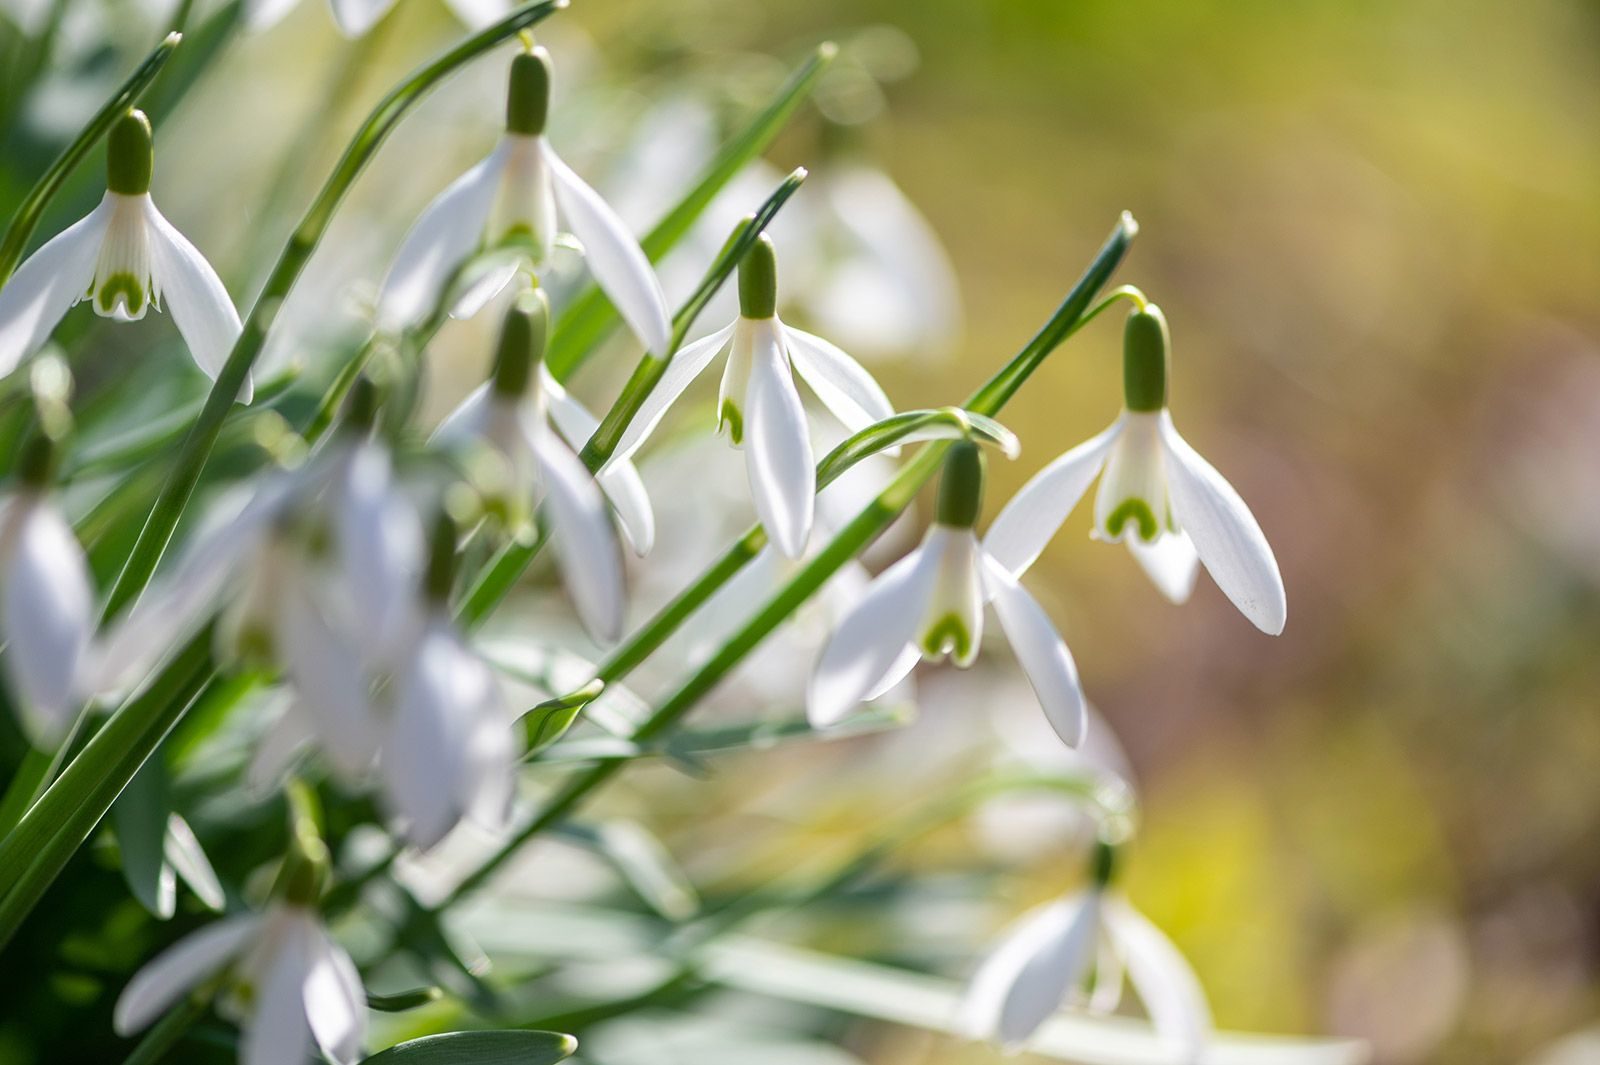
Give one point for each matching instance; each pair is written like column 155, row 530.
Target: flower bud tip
column 1129, row 224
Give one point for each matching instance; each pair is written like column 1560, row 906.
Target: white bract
column 930, row 605
column 124, row 258
column 759, row 405
column 295, row 987
column 510, row 201
column 1157, row 495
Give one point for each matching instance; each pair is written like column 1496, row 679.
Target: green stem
column 33, row 206
column 196, row 449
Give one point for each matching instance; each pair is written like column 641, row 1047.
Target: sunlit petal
column 1027, row 978
column 277, row 1032
column 1043, row 655
column 327, row 677
column 585, row 543
column 380, row 544
column 1026, row 525
column 356, row 17
column 47, row 608
column 47, row 284
column 685, row 366
column 195, row 297
column 846, row 389
column 179, row 968
column 783, row 477
column 1171, row 563
column 871, row 640
column 1167, row 986
column 335, row 1004
column 619, row 480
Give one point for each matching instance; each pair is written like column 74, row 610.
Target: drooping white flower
column 46, row 603
column 759, row 405
column 294, row 986
column 930, row 604
column 518, row 416
column 124, row 258
column 510, row 200
column 1050, row 954
column 1170, row 506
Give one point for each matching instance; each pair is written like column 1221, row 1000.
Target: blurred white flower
column 295, row 987
column 1182, row 512
column 759, row 400
column 123, row 257
column 509, row 202
column 356, row 17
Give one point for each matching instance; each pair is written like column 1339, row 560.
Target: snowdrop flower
column 759, row 406
column 1051, row 952
column 520, row 418
column 46, row 601
column 930, row 604
column 510, row 201
column 1169, row 505
column 123, row 257
column 450, row 749
column 292, row 986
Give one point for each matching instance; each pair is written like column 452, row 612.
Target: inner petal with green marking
column 124, row 285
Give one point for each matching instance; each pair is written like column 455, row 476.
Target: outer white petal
column 477, row 14
column 1043, row 655
column 619, row 480
column 182, row 966
column 47, row 613
column 849, row 391
column 185, row 856
column 783, row 475
column 356, row 17
column 870, row 642
column 1027, row 978
column 898, row 672
column 47, row 284
column 277, row 749
column 380, row 550
column 1230, row 543
column 1171, row 563
column 424, row 755
column 615, row 258
column 329, row 682
column 1167, row 986
column 277, row 1032
column 485, row 283
column 335, row 1004
column 1027, row 523
column 491, row 751
column 685, row 366
column 585, row 543
column 264, row 14
column 467, row 423
column 448, row 230
column 195, row 297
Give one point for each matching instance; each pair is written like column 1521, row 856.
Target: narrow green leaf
column 139, row 821
column 480, row 1048
column 913, row 427
column 401, row 1001
column 548, row 721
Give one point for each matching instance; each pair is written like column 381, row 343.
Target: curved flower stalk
column 517, row 416
column 930, row 604
column 1050, row 955
column 124, row 257
column 1170, row 506
column 759, row 406
column 46, row 601
column 510, row 201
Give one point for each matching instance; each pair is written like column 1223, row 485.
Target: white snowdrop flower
column 520, row 418
column 46, row 602
column 450, row 747
column 1169, row 505
column 291, row 987
column 759, row 405
column 510, row 201
column 930, row 604
column 1085, row 943
column 124, row 258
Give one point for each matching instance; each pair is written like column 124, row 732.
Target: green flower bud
column 130, row 155
column 36, row 466
column 961, row 488
column 528, row 93
column 361, row 408
column 441, row 575
column 1144, row 360
column 522, row 343
column 758, row 280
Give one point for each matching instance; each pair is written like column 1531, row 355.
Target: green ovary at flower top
column 124, row 257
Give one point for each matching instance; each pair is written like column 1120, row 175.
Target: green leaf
column 480, row 1048
column 401, row 1001
column 549, row 721
column 139, row 821
column 915, row 427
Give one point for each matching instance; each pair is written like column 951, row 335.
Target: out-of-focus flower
column 123, row 257
column 759, row 400
column 1051, row 953
column 46, row 601
column 1171, row 507
column 930, row 604
column 510, row 201
column 356, row 17
column 511, row 415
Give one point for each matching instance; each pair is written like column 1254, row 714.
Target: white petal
column 335, row 1004
column 482, row 283
column 1043, row 655
column 48, row 609
column 179, row 968
column 685, row 366
column 356, row 17
column 448, row 230
column 468, row 423
column 187, row 858
column 902, row 667
column 1026, row 979
column 783, row 475
column 380, row 550
column 958, row 597
column 195, row 297
column 52, row 279
column 277, row 1032
column 478, row 14
column 1167, row 986
column 264, row 14
column 424, row 755
column 277, row 749
column 871, row 640
column 1027, row 523
column 585, row 543
column 618, row 479
column 1230, row 543
column 329, row 683
column 615, row 259
column 846, row 389
column 1171, row 563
